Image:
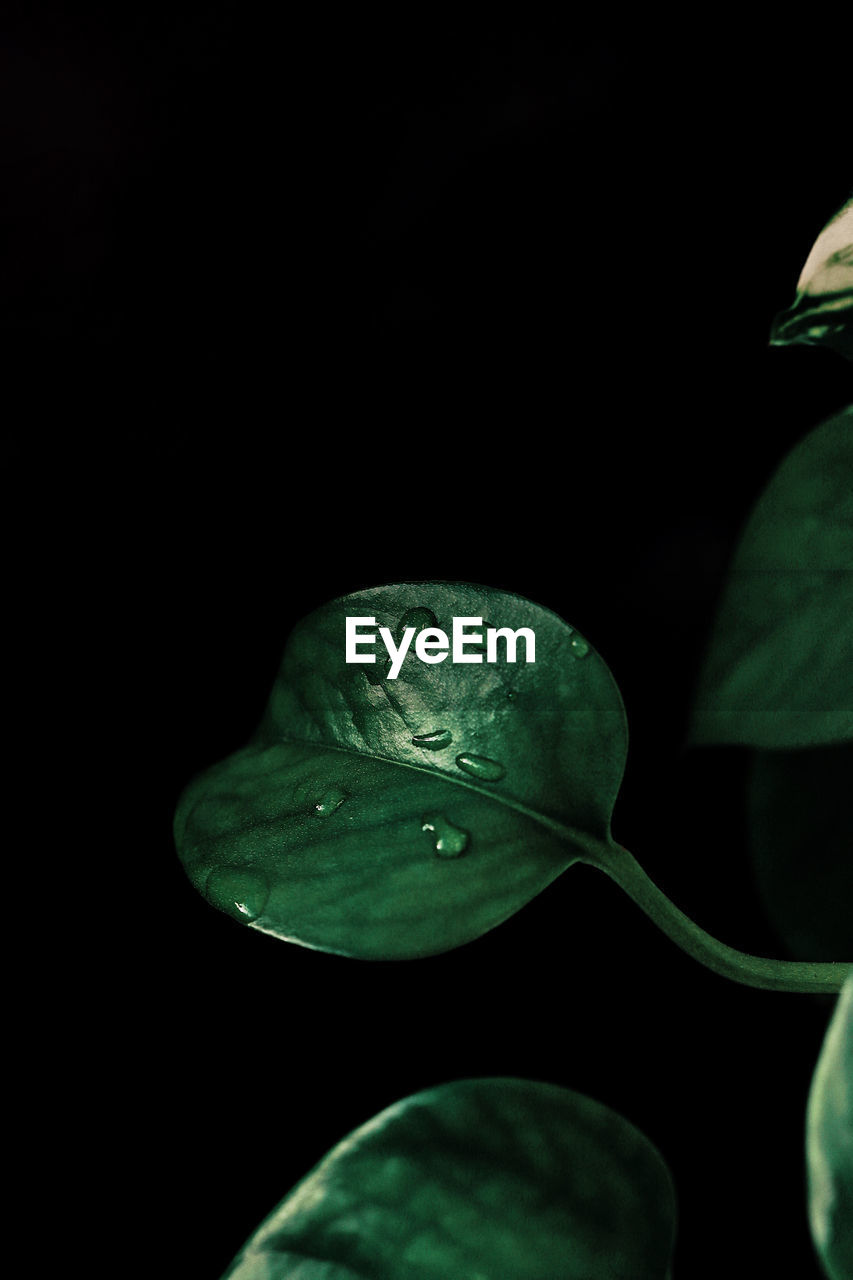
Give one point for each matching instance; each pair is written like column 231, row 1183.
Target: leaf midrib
column 570, row 834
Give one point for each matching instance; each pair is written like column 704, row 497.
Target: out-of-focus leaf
column 391, row 818
column 801, row 840
column 822, row 313
column 495, row 1179
column 778, row 669
column 829, row 1143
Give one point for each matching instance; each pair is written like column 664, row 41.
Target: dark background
column 289, row 312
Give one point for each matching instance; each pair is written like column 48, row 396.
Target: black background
column 298, row 311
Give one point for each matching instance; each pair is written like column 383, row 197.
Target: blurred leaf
column 829, row 1143
column 778, row 668
column 822, row 313
column 389, row 818
column 476, row 1180
column 801, row 840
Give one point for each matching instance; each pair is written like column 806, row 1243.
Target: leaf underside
column 398, row 818
column 829, row 1143
column 777, row 670
column 482, row 1179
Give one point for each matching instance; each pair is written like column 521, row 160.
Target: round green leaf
column 777, row 672
column 822, row 313
column 481, row 1179
column 801, row 841
column 829, row 1143
column 391, row 818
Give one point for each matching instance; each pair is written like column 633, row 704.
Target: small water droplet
column 481, row 767
column 241, row 891
column 435, row 741
column 332, row 800
column 449, row 841
column 418, row 617
column 511, row 695
column 579, row 647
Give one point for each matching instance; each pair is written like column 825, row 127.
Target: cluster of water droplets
column 245, row 890
column 449, row 841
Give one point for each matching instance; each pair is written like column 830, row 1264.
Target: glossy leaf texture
column 389, row 819
column 829, row 1143
column 822, row 312
column 777, row 671
column 483, row 1179
column 800, row 815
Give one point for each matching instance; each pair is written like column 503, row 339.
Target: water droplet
column 449, row 841
column 481, row 767
column 435, row 741
column 511, row 695
column 241, row 891
column 332, row 800
column 579, row 647
column 419, row 617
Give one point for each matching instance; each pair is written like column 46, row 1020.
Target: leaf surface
column 396, row 818
column 482, row 1179
column 829, row 1143
column 778, row 668
column 822, row 312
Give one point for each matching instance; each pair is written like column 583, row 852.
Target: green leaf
column 829, row 1143
column 777, row 672
column 396, row 818
column 481, row 1180
column 801, row 841
column 822, row 313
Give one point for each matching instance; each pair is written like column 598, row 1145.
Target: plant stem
column 753, row 971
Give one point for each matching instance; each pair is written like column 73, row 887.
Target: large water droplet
column 332, row 800
column 579, row 646
column 241, row 891
column 435, row 741
column 481, row 767
column 418, row 617
column 449, row 841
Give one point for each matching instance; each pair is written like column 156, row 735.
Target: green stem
column 753, row 971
